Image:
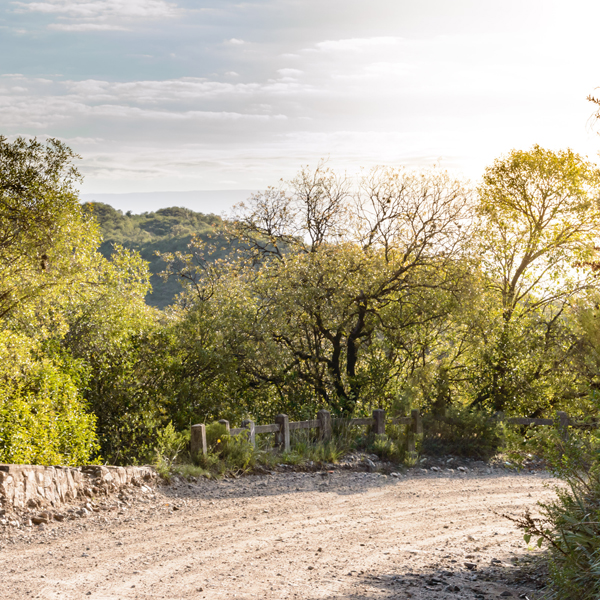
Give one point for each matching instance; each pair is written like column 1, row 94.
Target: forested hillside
column 166, row 230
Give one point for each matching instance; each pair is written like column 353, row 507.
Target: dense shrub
column 461, row 432
column 226, row 453
column 43, row 417
column 570, row 524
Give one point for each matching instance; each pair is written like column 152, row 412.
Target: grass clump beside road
column 225, row 453
column 458, row 432
column 234, row 455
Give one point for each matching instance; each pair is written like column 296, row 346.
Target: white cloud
column 44, row 103
column 90, row 9
column 83, row 140
column 86, row 27
column 236, row 42
column 181, row 91
column 99, row 15
column 356, row 44
column 290, row 72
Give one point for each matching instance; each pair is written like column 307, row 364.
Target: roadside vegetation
column 395, row 289
column 229, row 455
column 569, row 526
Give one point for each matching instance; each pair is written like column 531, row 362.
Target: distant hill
column 205, row 201
column 166, row 230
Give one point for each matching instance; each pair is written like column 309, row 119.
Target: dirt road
column 288, row 535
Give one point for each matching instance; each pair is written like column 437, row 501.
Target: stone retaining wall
column 33, row 486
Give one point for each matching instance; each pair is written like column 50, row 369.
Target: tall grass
column 234, row 455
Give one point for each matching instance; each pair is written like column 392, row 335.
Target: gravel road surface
column 333, row 535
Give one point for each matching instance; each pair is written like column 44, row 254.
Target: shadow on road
column 496, row 581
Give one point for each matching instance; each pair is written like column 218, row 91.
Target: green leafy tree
column 45, row 241
column 51, row 275
column 331, row 272
column 538, row 223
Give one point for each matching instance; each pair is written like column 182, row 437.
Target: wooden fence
column 324, row 423
column 377, row 423
column 562, row 422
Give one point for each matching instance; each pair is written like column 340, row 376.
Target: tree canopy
column 396, row 288
column 539, row 218
column 333, row 268
column 44, row 238
column 538, row 222
column 50, row 275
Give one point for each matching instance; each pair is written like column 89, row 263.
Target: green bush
column 169, row 445
column 43, row 419
column 386, row 448
column 461, row 432
column 226, row 453
column 391, row 446
column 306, row 446
column 570, row 524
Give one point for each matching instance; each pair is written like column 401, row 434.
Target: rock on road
column 288, row 535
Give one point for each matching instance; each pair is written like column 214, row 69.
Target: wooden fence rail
column 377, row 422
column 324, row 423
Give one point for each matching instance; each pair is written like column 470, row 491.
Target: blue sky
column 162, row 96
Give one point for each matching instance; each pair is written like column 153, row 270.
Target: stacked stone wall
column 33, row 486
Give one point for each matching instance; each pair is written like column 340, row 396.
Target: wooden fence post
column 226, row 423
column 249, row 425
column 324, row 418
column 283, row 436
column 198, row 440
column 563, row 425
column 378, row 427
